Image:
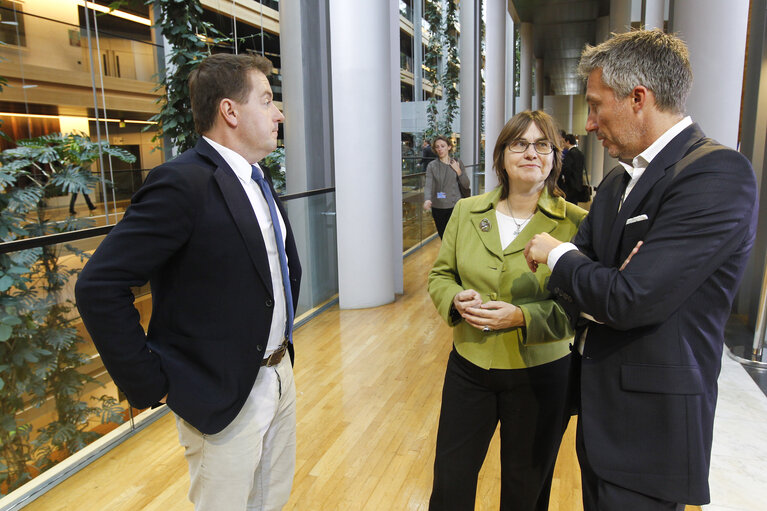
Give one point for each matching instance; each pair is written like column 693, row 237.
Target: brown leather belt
column 276, row 356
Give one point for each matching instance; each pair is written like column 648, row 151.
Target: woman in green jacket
column 511, row 340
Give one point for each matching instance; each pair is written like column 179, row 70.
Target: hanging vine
column 433, row 17
column 190, row 39
column 451, row 76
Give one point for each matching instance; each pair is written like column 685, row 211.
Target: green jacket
column 471, row 258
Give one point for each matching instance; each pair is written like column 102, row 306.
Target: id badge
column 441, row 195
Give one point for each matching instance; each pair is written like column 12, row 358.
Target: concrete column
column 652, row 14
column 717, row 62
column 417, row 52
column 470, row 72
column 539, row 84
column 620, row 16
column 510, row 56
column 495, row 83
column 596, row 154
column 308, row 129
column 526, row 66
column 395, row 174
column 362, row 117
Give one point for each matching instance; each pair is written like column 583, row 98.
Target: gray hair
column 651, row 58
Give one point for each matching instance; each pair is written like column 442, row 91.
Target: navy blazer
column 192, row 233
column 648, row 383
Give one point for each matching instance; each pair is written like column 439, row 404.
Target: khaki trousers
column 249, row 465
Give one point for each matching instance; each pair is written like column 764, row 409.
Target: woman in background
column 441, row 189
column 511, row 341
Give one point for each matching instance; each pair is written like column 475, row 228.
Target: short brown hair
column 442, row 138
column 514, row 129
column 221, row 76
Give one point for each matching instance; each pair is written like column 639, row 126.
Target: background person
column 652, row 324
column 573, row 165
column 510, row 359
column 208, row 232
column 441, row 186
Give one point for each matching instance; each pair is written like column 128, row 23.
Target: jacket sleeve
column 549, row 320
column 706, row 217
column 428, row 182
column 444, row 282
column 157, row 223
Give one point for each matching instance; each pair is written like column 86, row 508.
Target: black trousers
column 602, row 495
column 74, row 199
column 530, row 405
column 441, row 217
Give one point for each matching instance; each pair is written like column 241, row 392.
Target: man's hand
column 494, row 315
column 426, row 205
column 538, row 248
column 633, row 251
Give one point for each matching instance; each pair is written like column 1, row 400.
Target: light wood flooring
column 369, row 384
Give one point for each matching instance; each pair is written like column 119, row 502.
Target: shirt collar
column 643, row 159
column 239, row 165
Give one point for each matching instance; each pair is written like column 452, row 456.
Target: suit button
column 269, row 302
column 259, row 348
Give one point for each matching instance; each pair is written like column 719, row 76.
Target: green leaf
column 5, row 332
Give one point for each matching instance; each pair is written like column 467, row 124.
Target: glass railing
column 56, row 398
column 405, row 62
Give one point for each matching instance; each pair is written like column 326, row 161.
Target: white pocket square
column 639, row 218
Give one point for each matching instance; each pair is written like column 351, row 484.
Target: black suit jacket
column 192, row 233
column 648, row 383
column 571, row 178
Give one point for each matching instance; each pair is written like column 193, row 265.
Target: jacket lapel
column 241, row 209
column 485, row 223
column 669, row 156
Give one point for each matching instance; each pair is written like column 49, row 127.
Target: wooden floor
column 369, row 384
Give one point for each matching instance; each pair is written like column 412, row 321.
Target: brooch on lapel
column 484, row 225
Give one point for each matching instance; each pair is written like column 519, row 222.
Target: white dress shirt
column 242, row 170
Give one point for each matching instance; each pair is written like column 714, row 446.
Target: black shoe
column 72, row 212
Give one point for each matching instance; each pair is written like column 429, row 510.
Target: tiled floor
column 739, row 456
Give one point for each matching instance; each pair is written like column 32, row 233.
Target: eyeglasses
column 541, row 146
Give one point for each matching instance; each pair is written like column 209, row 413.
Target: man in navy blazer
column 212, row 242
column 651, row 275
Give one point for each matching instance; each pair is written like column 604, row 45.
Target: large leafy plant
column 40, row 355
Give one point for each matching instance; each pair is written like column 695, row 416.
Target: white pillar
column 526, row 66
column 510, row 56
column 539, row 84
column 652, row 15
column 495, row 83
column 398, row 279
column 595, row 152
column 717, row 62
column 469, row 99
column 362, row 105
column 620, row 16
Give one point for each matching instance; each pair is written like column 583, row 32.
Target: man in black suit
column 651, row 275
column 207, row 231
column 571, row 177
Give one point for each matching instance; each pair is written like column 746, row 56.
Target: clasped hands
column 491, row 315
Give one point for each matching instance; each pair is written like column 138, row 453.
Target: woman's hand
column 494, row 315
column 456, row 166
column 426, row 205
column 466, row 298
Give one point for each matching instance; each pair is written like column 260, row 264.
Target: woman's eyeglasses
column 541, row 146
